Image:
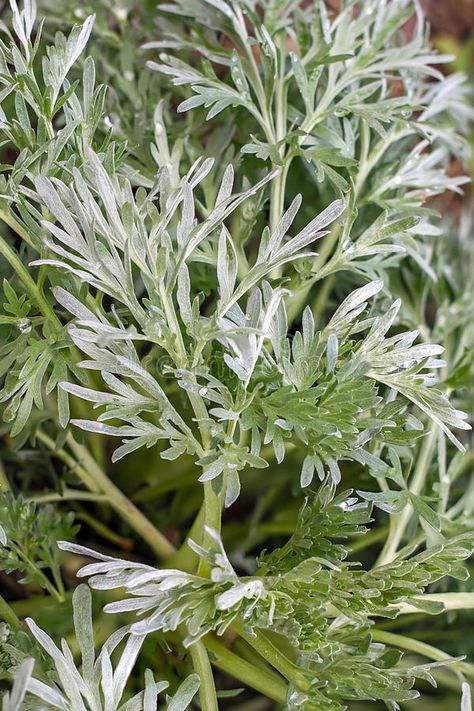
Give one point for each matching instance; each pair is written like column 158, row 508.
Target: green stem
column 68, row 495
column 275, row 657
column 211, row 510
column 180, row 357
column 421, row 648
column 89, row 472
column 202, row 667
column 363, row 153
column 278, row 186
column 186, row 559
column 65, row 457
column 7, row 614
column 30, row 285
column 58, row 581
column 266, row 120
column 13, row 223
column 212, row 505
column 244, row 651
column 104, row 531
column 451, row 601
column 277, row 198
column 212, row 519
column 122, row 504
column 373, row 158
column 323, row 270
column 264, row 681
column 399, row 522
column 47, row 585
column 4, row 483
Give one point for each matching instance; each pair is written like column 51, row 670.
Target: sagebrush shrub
column 230, row 254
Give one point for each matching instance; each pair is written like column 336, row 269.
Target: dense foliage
column 236, row 356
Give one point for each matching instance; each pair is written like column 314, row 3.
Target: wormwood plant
column 228, row 258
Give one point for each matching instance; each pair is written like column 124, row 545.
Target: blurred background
column 452, row 24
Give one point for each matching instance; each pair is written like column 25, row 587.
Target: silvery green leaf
column 399, row 364
column 161, row 596
column 183, row 295
column 82, row 609
column 107, row 674
column 47, row 694
column 187, row 221
column 146, row 700
column 281, row 230
column 182, row 698
column 212, row 471
column 124, row 667
column 353, row 306
column 226, row 265
column 13, row 700
column 222, row 7
column 99, row 686
column 466, row 703
column 199, row 171
column 64, row 54
column 332, row 349
column 23, row 22
column 312, row 231
column 175, row 289
column 235, row 594
column 225, row 188
column 51, row 199
column 232, row 487
column 152, row 689
column 95, row 396
column 433, row 403
column 334, row 470
column 307, row 472
column 66, row 675
column 92, row 426
column 220, row 213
